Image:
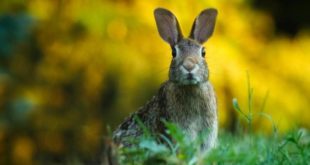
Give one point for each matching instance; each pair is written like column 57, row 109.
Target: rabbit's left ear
column 203, row 26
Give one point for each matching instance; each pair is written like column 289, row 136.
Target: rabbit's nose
column 189, row 65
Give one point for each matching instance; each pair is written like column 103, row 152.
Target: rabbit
column 187, row 98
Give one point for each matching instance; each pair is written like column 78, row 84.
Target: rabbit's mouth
column 190, row 79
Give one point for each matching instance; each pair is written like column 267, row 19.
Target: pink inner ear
column 204, row 25
column 167, row 26
column 196, row 30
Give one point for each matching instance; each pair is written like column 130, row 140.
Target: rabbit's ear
column 168, row 26
column 203, row 26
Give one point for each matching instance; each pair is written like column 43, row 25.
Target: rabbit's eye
column 174, row 52
column 203, row 52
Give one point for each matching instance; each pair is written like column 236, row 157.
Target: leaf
column 237, row 108
column 154, row 147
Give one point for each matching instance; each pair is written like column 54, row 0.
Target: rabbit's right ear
column 168, row 26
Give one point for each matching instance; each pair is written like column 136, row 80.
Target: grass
column 245, row 147
column 291, row 148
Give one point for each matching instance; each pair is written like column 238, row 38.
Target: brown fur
column 192, row 108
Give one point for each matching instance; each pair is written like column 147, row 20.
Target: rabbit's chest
column 193, row 128
column 193, row 110
column 191, row 118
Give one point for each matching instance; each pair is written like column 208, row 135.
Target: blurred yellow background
column 68, row 69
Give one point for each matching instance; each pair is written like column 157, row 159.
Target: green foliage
column 177, row 150
column 258, row 149
column 290, row 148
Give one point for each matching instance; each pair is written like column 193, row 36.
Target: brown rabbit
column 187, row 99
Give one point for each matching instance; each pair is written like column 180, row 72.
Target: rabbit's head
column 188, row 66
